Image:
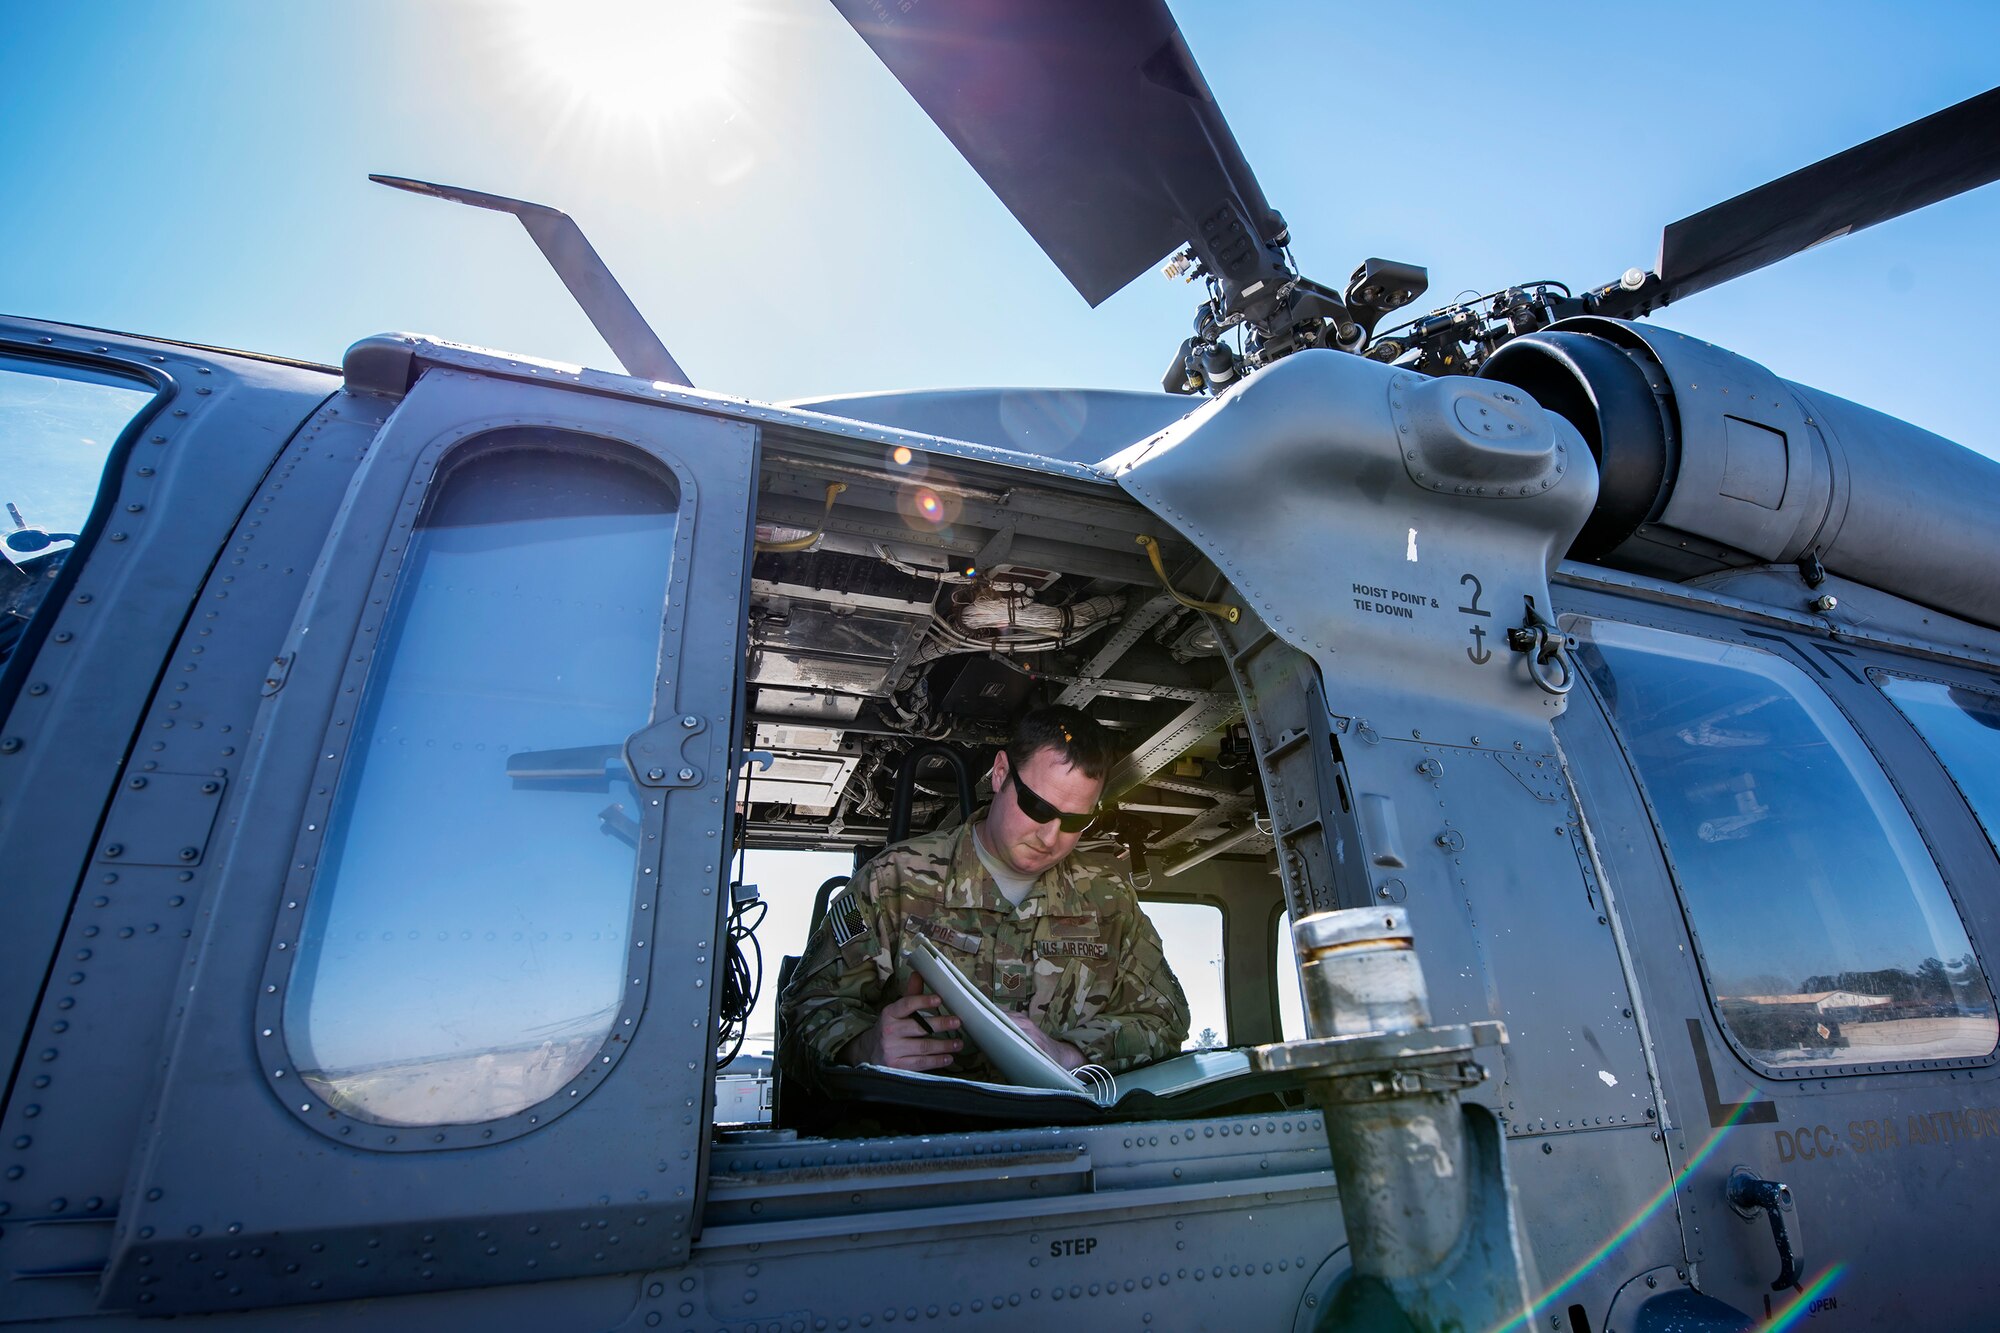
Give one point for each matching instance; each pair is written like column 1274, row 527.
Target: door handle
column 1748, row 1194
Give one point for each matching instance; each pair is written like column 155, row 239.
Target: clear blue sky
column 793, row 225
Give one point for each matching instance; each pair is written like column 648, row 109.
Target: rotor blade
column 1904, row 170
column 589, row 280
column 1090, row 121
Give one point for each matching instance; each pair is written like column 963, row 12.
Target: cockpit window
column 58, row 423
column 463, row 954
column 1821, row 922
column 1962, row 727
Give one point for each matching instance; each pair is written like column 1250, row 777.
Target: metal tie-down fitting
column 1423, row 1191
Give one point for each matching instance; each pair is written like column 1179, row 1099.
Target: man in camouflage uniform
column 1058, row 941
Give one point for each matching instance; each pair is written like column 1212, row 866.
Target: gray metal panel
column 1081, row 425
column 1436, row 782
column 1575, row 1198
column 1493, row 881
column 1901, row 482
column 436, row 352
column 127, row 941
column 1295, row 485
column 198, row 460
column 624, row 1165
column 1766, row 594
column 1723, row 401
column 1211, row 1224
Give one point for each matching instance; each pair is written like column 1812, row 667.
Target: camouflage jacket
column 1078, row 955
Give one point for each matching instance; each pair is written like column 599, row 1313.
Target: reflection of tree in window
column 463, row 955
column 1822, row 923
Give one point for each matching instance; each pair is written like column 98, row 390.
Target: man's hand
column 900, row 1040
column 1064, row 1054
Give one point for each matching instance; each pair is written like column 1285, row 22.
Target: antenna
column 576, row 262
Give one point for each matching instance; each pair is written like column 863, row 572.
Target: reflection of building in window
column 1821, row 1002
column 1818, row 916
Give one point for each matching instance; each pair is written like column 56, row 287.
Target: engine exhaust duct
column 1710, row 462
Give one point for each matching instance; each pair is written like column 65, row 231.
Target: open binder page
column 988, row 1027
column 1182, row 1072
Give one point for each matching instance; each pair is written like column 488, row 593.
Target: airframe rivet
column 655, row 774
column 115, row 849
column 190, row 853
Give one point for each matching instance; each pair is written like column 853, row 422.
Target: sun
column 628, row 60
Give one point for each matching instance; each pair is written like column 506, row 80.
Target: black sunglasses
column 1041, row 812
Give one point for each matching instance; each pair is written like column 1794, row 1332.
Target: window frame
column 1148, row 896
column 1876, row 675
column 1770, row 644
column 433, row 468
column 14, row 671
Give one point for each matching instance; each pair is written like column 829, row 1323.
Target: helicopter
column 369, row 953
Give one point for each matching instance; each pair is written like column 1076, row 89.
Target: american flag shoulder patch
column 844, row 919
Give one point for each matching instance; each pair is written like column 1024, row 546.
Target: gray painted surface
column 1435, row 729
column 1079, row 425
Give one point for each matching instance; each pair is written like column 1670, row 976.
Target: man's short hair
column 1070, row 732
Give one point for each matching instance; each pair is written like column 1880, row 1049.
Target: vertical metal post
column 1428, row 1217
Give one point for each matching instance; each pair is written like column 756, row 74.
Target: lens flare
column 901, row 455
column 1552, row 1297
column 926, row 507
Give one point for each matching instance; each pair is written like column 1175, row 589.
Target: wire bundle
column 742, row 974
column 1012, row 623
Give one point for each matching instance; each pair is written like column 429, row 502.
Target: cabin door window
column 1824, row 930
column 463, row 956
